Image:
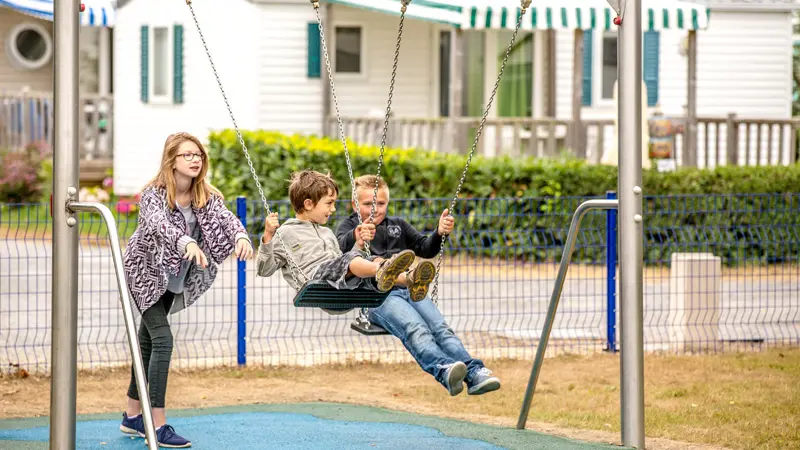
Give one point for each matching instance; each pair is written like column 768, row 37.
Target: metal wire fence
column 721, row 273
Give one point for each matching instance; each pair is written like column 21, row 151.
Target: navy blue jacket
column 392, row 236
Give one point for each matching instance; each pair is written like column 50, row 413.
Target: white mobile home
column 268, row 56
column 26, row 36
column 27, row 74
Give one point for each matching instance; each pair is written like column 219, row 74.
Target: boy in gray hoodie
column 310, row 251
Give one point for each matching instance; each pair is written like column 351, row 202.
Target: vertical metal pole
column 576, row 129
column 690, row 158
column 456, row 90
column 630, row 224
column 241, row 290
column 64, row 334
column 611, row 276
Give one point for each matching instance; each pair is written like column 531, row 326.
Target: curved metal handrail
column 566, row 257
column 127, row 312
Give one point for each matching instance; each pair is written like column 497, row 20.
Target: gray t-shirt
column 175, row 284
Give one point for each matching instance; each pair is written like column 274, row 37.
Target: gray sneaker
column 454, row 377
column 482, row 382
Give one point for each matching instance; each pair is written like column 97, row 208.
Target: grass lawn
column 737, row 400
column 33, row 221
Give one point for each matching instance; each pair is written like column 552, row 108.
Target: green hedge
column 425, row 174
column 537, row 216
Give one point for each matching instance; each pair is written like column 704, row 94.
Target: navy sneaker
column 454, row 377
column 168, row 438
column 482, row 382
column 133, row 426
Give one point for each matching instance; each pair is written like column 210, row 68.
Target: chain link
column 244, row 148
column 434, row 295
column 435, row 291
column 363, row 315
column 332, row 85
column 388, row 112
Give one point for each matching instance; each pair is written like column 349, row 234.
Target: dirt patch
column 723, row 401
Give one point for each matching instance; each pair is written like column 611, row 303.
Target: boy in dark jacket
column 418, row 324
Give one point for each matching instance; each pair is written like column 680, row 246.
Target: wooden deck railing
column 720, row 140
column 27, row 118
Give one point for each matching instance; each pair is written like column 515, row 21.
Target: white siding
column 367, row 93
column 140, row 129
column 744, row 67
column 289, row 101
column 565, row 40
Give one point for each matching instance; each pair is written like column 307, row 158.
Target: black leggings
column 155, row 340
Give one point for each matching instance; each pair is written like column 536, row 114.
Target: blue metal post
column 611, row 276
column 241, row 292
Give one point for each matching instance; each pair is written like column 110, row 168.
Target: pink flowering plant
column 22, row 178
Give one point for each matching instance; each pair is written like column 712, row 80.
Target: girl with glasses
column 183, row 223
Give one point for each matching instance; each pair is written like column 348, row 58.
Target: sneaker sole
column 127, row 430
column 423, row 276
column 171, row 446
column 485, row 387
column 457, row 375
column 395, row 267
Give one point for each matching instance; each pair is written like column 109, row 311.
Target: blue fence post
column 611, row 276
column 241, row 292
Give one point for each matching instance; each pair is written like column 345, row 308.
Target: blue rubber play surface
column 307, row 426
column 265, row 430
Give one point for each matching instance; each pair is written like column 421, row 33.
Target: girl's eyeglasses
column 190, row 156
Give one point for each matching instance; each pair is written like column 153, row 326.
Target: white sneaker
column 454, row 377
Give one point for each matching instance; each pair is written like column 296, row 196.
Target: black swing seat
column 371, row 330
column 319, row 294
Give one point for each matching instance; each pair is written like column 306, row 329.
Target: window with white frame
column 161, row 62
column 600, row 67
column 29, row 46
column 349, row 49
column 608, row 74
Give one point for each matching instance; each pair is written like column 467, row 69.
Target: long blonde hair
column 201, row 189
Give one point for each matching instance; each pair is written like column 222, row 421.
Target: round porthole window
column 29, row 46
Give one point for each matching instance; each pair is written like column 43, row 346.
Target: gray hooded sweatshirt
column 310, row 245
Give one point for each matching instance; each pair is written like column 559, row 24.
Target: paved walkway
column 498, row 313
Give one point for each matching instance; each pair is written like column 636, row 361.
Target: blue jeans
column 424, row 333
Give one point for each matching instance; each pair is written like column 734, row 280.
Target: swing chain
column 363, row 314
column 524, row 4
column 388, row 111
column 332, row 85
column 244, row 147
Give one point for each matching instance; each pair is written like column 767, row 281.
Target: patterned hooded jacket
column 156, row 248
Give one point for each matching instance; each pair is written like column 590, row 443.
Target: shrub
column 23, row 174
column 424, row 174
column 739, row 213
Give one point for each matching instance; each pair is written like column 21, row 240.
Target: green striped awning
column 542, row 14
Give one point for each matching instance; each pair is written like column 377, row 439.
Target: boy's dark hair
column 312, row 185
